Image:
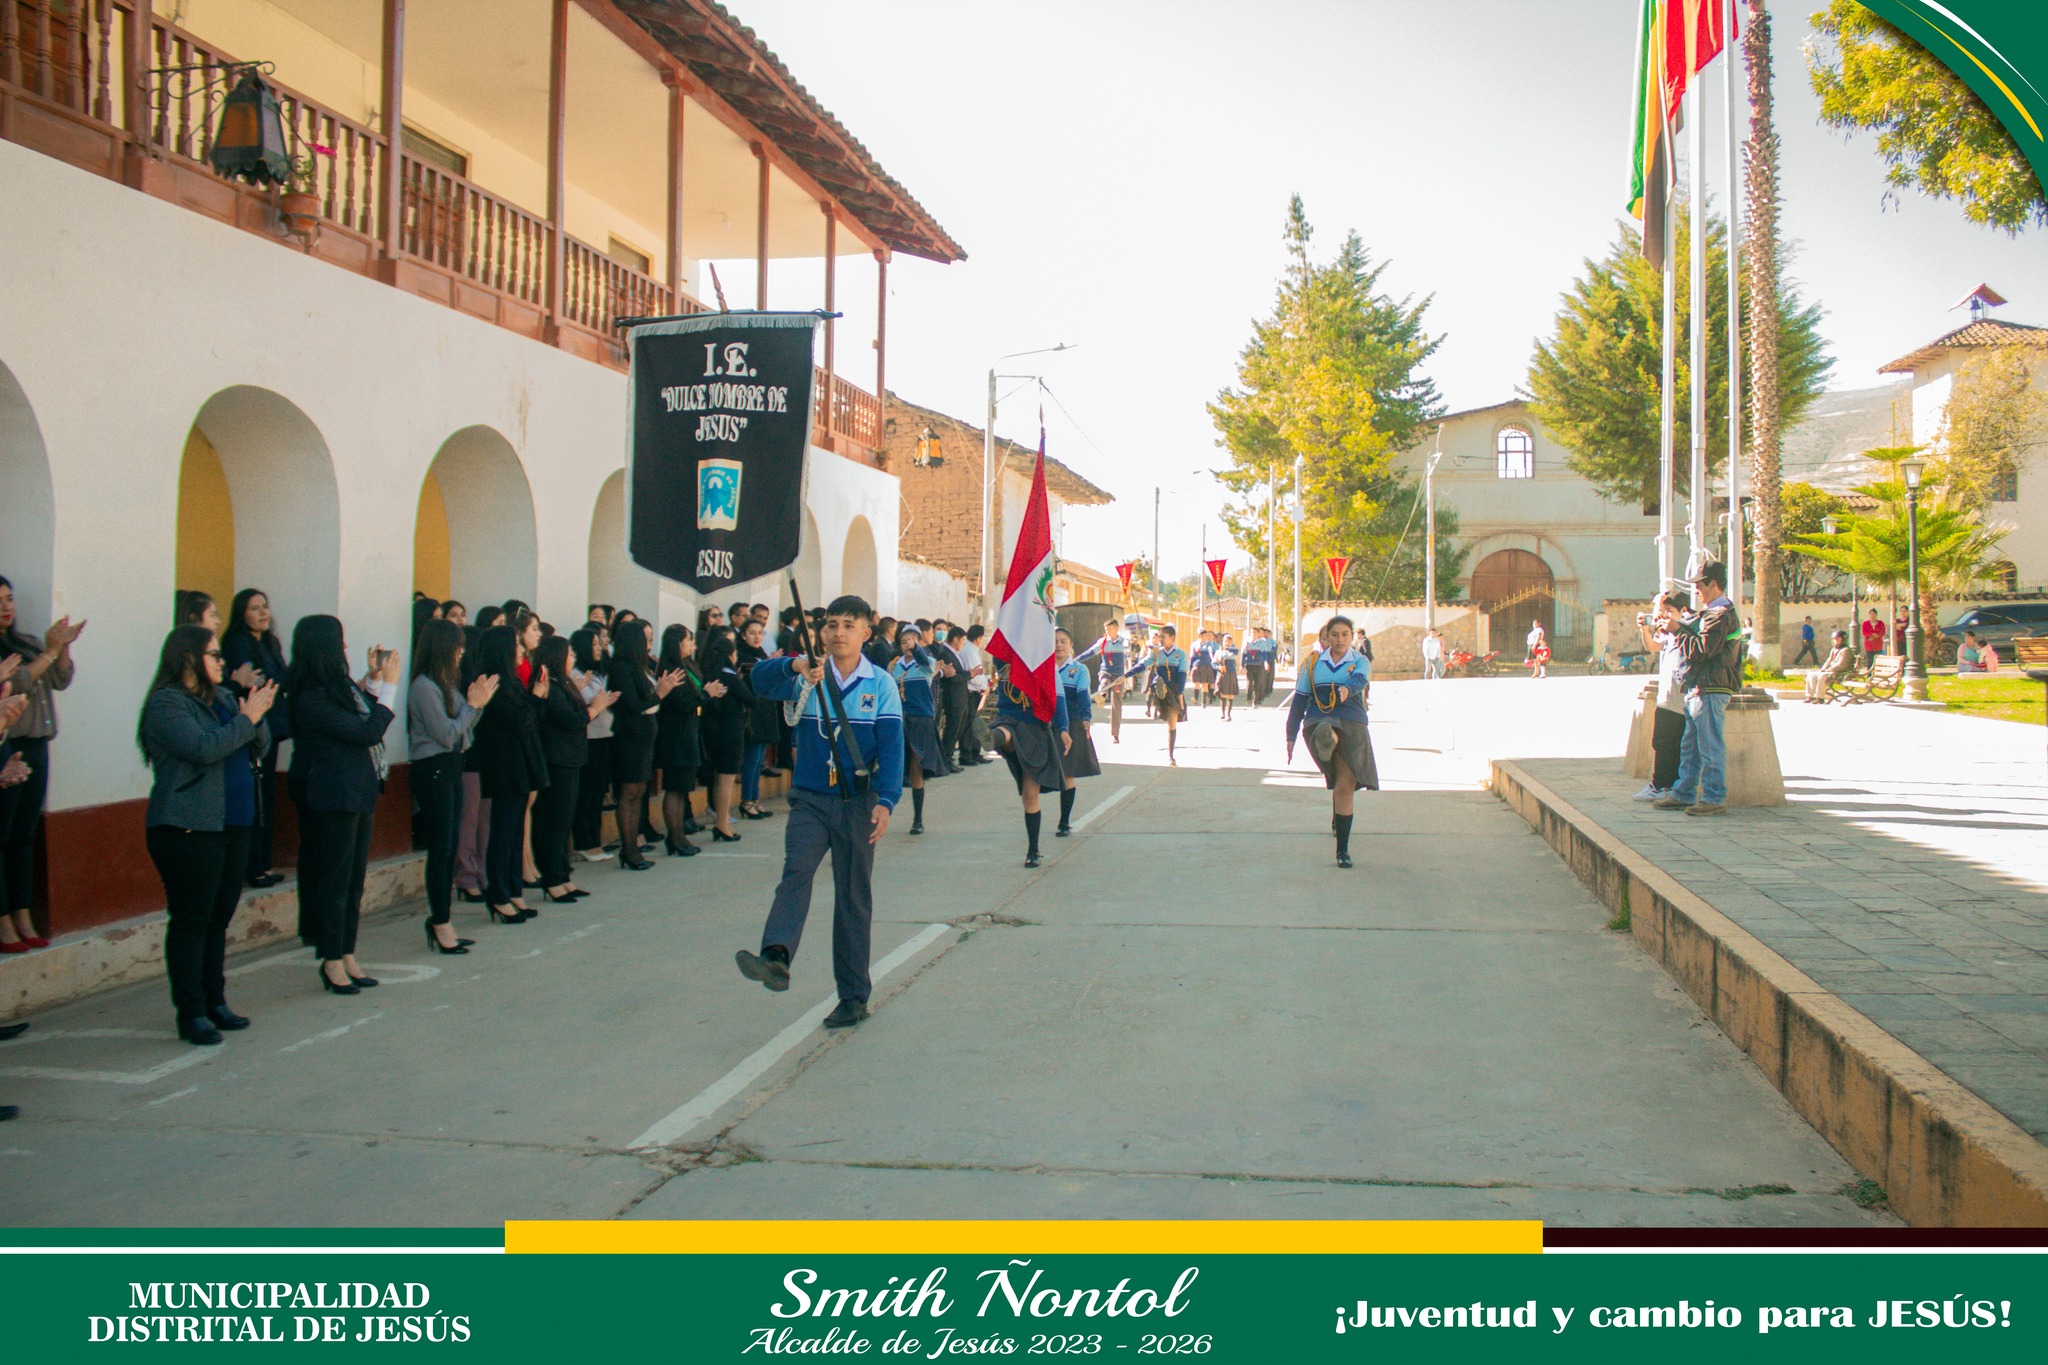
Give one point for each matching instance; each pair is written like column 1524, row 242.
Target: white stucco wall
column 926, row 590
column 121, row 316
column 2026, row 540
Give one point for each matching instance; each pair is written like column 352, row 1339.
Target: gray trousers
column 818, row 824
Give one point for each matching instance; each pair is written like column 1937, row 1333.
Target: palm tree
column 1760, row 179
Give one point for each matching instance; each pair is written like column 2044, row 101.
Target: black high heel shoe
column 568, row 898
column 640, row 866
column 469, row 897
column 328, row 982
column 685, row 849
column 459, row 950
column 508, row 915
column 719, row 837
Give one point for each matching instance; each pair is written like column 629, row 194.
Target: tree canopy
column 1333, row 375
column 1956, row 549
column 1933, row 133
column 1595, row 384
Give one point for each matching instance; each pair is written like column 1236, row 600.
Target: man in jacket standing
column 1709, row 640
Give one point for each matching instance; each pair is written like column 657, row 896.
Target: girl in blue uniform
column 1166, row 685
column 1034, row 750
column 913, row 671
column 1226, row 674
column 1329, row 696
column 1075, row 682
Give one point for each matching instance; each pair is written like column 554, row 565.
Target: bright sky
column 1118, row 172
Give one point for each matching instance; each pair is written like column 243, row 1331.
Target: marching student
column 1074, row 681
column 1329, row 694
column 1166, row 684
column 1034, row 749
column 1260, row 653
column 1203, row 672
column 1226, row 674
column 848, row 779
column 913, row 670
column 1115, row 660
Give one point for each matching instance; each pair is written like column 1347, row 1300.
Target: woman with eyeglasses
column 1329, row 697
column 201, row 745
column 253, row 654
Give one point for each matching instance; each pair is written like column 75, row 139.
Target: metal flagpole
column 1272, row 530
column 1696, row 296
column 1202, row 584
column 1735, row 528
column 1294, row 628
column 1429, row 533
column 1668, row 385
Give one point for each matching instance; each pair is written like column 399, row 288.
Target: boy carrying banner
column 848, row 779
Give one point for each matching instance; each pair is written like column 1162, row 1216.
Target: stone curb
column 1944, row 1156
column 122, row 954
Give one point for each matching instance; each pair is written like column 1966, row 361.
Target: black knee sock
column 917, row 804
column 1067, row 795
column 1031, row 828
column 1343, row 834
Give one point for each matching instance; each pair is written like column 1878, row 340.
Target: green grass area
column 2000, row 698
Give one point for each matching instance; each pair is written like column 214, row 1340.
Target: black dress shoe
column 1063, row 831
column 328, row 982
column 200, row 1031
column 849, row 1013
column 471, row 897
column 1031, row 858
column 363, row 983
column 227, row 1019
column 1343, row 860
column 13, row 1030
column 9, row 1111
column 721, row 838
column 265, row 879
column 770, row 971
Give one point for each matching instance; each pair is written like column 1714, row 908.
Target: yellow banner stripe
column 1070, row 1238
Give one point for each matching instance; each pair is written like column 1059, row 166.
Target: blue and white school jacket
column 874, row 718
column 914, row 673
column 1075, row 684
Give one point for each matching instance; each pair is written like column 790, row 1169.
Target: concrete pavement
column 1187, row 1012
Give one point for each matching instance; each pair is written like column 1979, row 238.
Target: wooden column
column 831, row 293
column 677, row 102
column 558, row 123
column 135, row 64
column 881, row 340
column 761, row 231
column 390, row 178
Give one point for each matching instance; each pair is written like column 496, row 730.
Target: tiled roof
column 1982, row 332
column 735, row 65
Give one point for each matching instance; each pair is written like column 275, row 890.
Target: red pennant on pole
column 1216, row 572
column 1337, row 564
column 1123, row 573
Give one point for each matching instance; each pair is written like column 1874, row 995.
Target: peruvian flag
column 1025, row 622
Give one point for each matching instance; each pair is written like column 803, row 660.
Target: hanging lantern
column 250, row 144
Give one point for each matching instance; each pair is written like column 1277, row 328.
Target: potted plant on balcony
column 298, row 203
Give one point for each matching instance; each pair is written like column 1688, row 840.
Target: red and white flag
column 1025, row 622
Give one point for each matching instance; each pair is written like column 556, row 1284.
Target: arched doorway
column 30, row 498
column 809, row 567
column 1517, row 588
column 614, row 577
column 860, row 570
column 474, row 535
column 258, row 506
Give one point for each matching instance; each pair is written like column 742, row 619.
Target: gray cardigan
column 433, row 731
column 189, row 750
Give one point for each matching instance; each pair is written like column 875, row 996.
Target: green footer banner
column 1311, row 1291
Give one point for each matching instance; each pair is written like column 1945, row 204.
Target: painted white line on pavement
column 174, row 1095
column 330, row 1034
column 713, row 1097
column 149, row 1077
column 1081, row 821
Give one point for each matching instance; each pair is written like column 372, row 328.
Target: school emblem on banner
column 718, row 495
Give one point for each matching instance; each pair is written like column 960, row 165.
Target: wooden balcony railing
column 67, row 56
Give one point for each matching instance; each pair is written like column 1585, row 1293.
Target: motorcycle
column 1467, row 664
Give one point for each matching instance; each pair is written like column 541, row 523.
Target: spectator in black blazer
column 633, row 729
column 253, row 654
column 727, row 700
column 589, row 648
column 564, row 740
column 679, row 738
column 510, row 766
column 764, row 722
column 337, row 772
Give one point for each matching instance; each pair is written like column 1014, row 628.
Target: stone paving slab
column 1935, row 949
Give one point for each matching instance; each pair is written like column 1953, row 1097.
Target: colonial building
column 939, row 460
column 406, row 371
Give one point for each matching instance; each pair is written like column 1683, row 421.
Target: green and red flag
column 1674, row 39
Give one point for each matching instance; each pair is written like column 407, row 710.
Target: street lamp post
column 988, row 472
column 1429, row 534
column 1916, row 654
column 1833, row 527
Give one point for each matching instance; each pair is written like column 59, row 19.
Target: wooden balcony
column 63, row 92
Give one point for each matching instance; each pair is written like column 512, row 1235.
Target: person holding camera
column 1657, row 628
column 1710, row 640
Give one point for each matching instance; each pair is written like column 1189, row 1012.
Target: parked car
column 1997, row 625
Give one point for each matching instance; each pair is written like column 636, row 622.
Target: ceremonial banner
column 719, row 415
column 1025, row 622
column 1337, row 564
column 1123, row 573
column 1215, row 567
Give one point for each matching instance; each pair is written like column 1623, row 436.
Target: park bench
column 2030, row 652
column 1882, row 683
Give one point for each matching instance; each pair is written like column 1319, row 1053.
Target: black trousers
column 202, row 876
column 587, row 829
column 437, row 787
column 266, row 814
column 839, row 826
column 554, row 808
column 334, row 858
column 961, row 703
column 504, row 869
column 1806, row 654
column 21, row 808
column 1664, row 740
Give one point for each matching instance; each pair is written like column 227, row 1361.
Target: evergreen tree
column 1332, row 375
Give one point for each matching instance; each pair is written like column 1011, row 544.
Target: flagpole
column 1272, row 530
column 1735, row 528
column 1696, row 294
column 1668, row 386
column 1294, row 628
column 1202, row 584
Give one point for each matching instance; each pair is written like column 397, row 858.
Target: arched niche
column 860, row 568
column 27, row 492
column 809, row 568
column 475, row 534
column 614, row 577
